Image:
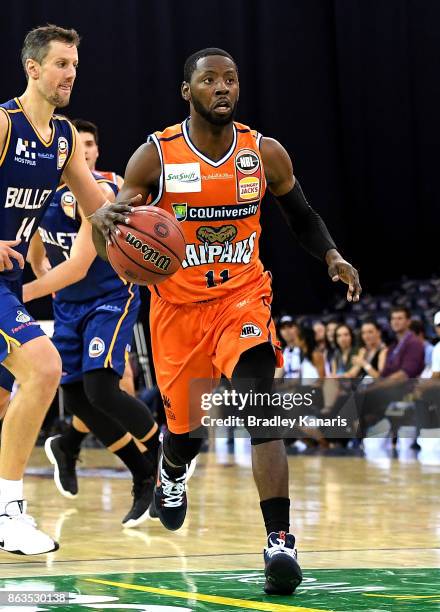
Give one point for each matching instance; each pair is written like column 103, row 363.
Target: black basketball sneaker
column 142, row 492
column 170, row 501
column 64, row 467
column 282, row 571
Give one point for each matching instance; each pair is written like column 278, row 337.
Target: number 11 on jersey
column 210, row 282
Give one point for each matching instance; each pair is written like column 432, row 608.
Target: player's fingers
column 18, row 256
column 136, row 200
column 7, row 263
column 11, row 242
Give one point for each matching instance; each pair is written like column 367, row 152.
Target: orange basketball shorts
column 204, row 340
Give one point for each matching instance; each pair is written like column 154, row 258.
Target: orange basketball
column 148, row 250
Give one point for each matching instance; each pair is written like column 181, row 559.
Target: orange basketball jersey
column 217, row 204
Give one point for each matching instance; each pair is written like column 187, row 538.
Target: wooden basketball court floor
column 367, row 533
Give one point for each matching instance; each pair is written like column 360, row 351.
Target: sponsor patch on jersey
column 183, row 178
column 249, row 188
column 22, row 317
column 250, row 330
column 63, row 150
column 24, row 148
column 68, row 204
column 180, row 211
column 248, row 176
column 96, row 347
column 247, row 161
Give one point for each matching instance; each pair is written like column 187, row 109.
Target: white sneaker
column 19, row 533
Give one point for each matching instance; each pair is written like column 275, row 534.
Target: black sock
column 138, row 463
column 172, row 470
column 153, row 443
column 276, row 514
column 70, row 441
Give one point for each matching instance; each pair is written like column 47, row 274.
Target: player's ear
column 32, row 68
column 185, row 90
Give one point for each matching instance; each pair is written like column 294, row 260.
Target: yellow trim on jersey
column 73, row 143
column 9, row 340
column 8, row 138
column 46, row 143
column 108, row 359
column 61, row 186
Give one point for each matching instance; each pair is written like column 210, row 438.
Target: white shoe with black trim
column 19, row 533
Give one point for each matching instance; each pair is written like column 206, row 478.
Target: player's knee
column 47, row 370
column 182, row 448
column 102, row 388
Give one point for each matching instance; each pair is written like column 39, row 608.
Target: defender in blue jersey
column 37, row 150
column 94, row 313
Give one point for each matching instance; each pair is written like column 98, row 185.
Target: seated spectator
column 320, row 339
column 288, row 330
column 312, row 365
column 406, row 355
column 405, row 360
column 418, row 328
column 370, row 359
column 342, row 362
column 330, row 339
column 435, row 365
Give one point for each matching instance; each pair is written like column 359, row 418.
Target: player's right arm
column 6, row 250
column 141, row 178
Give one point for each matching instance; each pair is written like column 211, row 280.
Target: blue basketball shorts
column 95, row 334
column 17, row 326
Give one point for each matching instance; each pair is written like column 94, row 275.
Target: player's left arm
column 305, row 223
column 73, row 269
column 96, row 207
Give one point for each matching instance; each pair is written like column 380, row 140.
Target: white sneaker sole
column 27, row 554
column 136, row 522
column 56, row 473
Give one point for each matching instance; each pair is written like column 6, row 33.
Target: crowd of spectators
column 384, row 365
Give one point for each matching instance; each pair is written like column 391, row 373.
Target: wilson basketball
column 150, row 249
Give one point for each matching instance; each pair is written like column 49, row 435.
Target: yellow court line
column 215, row 599
column 397, row 597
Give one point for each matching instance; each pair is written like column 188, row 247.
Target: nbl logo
column 247, row 161
column 24, row 148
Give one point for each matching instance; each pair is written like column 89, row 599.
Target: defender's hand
column 6, row 253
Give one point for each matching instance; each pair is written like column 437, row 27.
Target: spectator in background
column 320, row 339
column 406, row 355
column 312, row 366
column 342, row 362
column 370, row 359
column 436, row 352
column 330, row 339
column 418, row 328
column 288, row 331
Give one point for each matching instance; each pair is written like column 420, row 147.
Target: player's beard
column 57, row 101
column 209, row 115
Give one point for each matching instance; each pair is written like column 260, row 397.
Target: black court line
column 303, row 552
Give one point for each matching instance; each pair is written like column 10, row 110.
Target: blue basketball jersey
column 58, row 230
column 30, row 170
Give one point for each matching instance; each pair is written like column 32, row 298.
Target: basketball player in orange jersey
column 213, row 316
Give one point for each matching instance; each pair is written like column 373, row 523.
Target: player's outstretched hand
column 6, row 253
column 344, row 271
column 105, row 219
